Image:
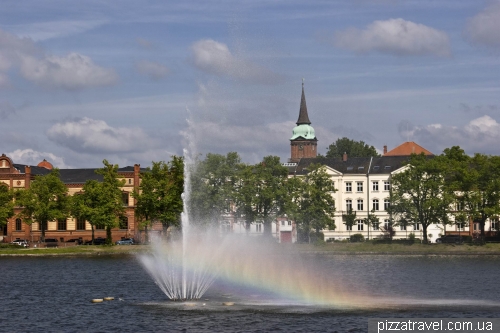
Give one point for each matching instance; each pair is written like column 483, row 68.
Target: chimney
column 344, row 157
column 385, row 149
column 27, row 177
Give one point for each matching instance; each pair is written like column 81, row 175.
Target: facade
column 20, row 176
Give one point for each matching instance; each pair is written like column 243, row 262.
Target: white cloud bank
column 88, row 135
column 480, row 135
column 395, row 36
column 72, row 72
column 33, row 157
column 215, row 58
column 484, row 28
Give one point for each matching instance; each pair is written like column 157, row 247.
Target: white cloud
column 395, row 36
column 96, row 136
column 480, row 135
column 33, row 157
column 484, row 28
column 151, row 69
column 74, row 71
column 216, row 58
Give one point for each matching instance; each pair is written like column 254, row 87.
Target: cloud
column 96, row 136
column 33, row 157
column 153, row 70
column 483, row 28
column 480, row 135
column 397, row 37
column 216, row 58
column 72, row 72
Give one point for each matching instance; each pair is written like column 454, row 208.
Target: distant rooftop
column 408, row 148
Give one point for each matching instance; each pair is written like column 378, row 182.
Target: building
column 20, row 176
column 363, row 184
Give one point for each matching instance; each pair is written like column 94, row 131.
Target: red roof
column 45, row 164
column 408, row 148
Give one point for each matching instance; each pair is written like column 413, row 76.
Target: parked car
column 125, row 241
column 51, row 242
column 97, row 241
column 78, row 241
column 450, row 239
column 21, row 242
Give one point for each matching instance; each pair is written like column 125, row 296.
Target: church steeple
column 303, row 116
column 303, row 142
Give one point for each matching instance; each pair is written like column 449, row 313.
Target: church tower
column 303, row 143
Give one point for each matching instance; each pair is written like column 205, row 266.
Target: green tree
column 46, row 200
column 315, row 204
column 478, row 188
column 245, row 195
column 113, row 205
column 349, row 219
column 351, row 147
column 6, row 204
column 213, row 187
column 418, row 192
column 372, row 221
column 160, row 194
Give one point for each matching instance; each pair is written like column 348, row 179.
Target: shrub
column 411, row 238
column 357, row 238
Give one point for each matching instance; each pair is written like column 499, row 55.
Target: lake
column 53, row 294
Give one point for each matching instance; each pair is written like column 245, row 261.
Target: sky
column 139, row 81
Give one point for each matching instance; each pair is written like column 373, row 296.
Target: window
column 289, row 222
column 460, row 226
column 494, row 225
column 360, row 225
column 375, row 186
column 348, row 227
column 123, row 223
column 282, row 222
column 99, row 227
column 376, row 225
column 387, row 167
column 130, row 181
column 376, row 167
column 375, row 205
column 80, row 224
column 387, row 224
column 348, row 204
column 61, row 224
column 387, row 185
column 348, row 187
column 460, row 206
column 387, row 204
column 359, row 186
column 349, row 168
column 416, row 226
column 258, row 227
column 402, row 227
column 19, row 225
column 125, row 198
column 476, row 226
column 360, row 204
column 361, row 168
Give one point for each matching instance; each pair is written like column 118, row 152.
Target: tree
column 159, row 196
column 213, row 187
column 351, row 148
column 372, row 221
column 478, row 188
column 6, row 204
column 349, row 219
column 112, row 206
column 315, row 204
column 46, row 200
column 101, row 203
column 418, row 192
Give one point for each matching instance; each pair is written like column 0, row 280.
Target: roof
column 303, row 116
column 354, row 165
column 408, row 148
column 45, row 164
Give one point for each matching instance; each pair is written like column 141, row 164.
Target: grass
column 331, row 248
column 416, row 248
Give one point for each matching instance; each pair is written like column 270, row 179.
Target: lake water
column 53, row 294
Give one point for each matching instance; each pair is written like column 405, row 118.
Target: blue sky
column 88, row 80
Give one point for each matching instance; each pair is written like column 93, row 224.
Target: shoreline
column 355, row 249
